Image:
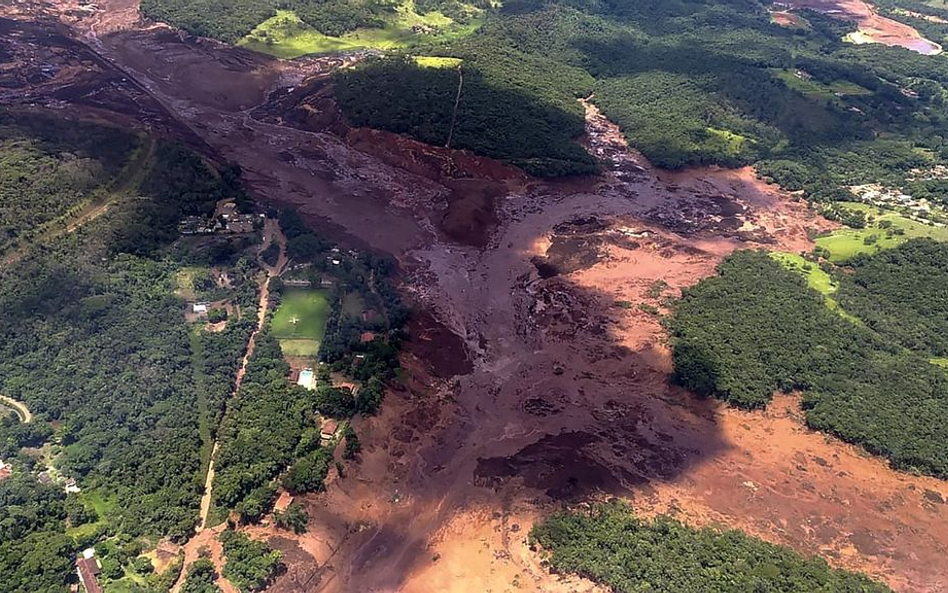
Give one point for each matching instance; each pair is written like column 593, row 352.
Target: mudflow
column 526, row 387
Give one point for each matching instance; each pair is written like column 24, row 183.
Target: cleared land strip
column 19, row 407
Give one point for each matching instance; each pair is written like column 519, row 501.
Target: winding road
column 19, row 407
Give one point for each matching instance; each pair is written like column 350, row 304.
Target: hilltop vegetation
column 902, row 293
column 756, row 328
column 51, row 167
column 533, row 133
column 611, row 546
column 690, row 82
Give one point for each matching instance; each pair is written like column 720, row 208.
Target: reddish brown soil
column 522, row 393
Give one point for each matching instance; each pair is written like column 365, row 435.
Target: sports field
column 300, row 320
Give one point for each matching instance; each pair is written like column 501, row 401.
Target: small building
column 366, row 337
column 44, row 478
column 283, row 502
column 326, row 282
column 71, row 487
column 199, row 308
column 369, row 315
column 307, row 379
column 327, row 432
column 88, row 569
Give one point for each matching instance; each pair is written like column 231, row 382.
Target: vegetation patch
column 51, row 168
column 251, row 565
column 613, row 547
column 496, row 114
column 903, row 294
column 757, row 328
column 817, row 278
column 286, row 35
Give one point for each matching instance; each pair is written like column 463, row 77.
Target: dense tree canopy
column 50, row 167
column 251, row 565
column 756, row 328
column 611, row 546
column 93, row 339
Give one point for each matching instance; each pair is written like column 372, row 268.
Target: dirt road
column 22, row 412
column 203, row 537
column 526, row 387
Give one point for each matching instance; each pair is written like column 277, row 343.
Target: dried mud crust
column 519, row 392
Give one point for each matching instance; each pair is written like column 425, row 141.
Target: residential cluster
column 225, row 220
column 920, row 210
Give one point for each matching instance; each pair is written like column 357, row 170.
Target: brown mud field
column 873, row 27
column 533, row 377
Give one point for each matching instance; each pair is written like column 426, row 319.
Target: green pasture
column 845, row 243
column 816, row 278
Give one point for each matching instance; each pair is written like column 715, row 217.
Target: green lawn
column 845, row 243
column 300, row 320
column 286, row 36
column 816, row 278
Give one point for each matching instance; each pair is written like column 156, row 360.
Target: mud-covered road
column 533, row 377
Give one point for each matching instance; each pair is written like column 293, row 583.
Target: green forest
column 125, row 393
column 232, row 20
column 690, row 82
column 756, row 328
column 50, row 168
column 611, row 546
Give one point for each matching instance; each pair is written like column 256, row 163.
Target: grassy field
column 436, row 62
column 816, row 278
column 286, row 36
column 846, row 243
column 300, row 321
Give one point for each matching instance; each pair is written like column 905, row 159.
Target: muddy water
column 544, row 390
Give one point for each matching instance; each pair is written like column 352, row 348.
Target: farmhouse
column 88, row 569
column 327, row 432
column 71, row 487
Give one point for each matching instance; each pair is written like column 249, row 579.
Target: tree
column 294, row 517
column 200, row 578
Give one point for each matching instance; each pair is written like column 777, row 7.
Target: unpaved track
column 539, row 391
column 203, row 537
column 22, row 412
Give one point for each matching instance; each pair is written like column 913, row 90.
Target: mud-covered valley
column 537, row 371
